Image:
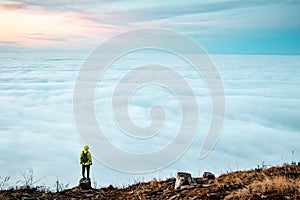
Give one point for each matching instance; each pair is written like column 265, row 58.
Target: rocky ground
column 272, row 183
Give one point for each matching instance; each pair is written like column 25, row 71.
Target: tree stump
column 182, row 178
column 85, row 184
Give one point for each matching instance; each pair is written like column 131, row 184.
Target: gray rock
column 182, row 178
column 208, row 175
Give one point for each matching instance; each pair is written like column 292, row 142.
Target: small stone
column 206, row 185
column 184, row 187
column 27, row 198
column 175, row 197
column 110, row 187
column 85, row 184
column 213, row 196
column 188, row 187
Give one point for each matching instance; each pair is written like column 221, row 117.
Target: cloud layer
column 38, row 131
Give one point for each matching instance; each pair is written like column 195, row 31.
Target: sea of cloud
column 38, row 131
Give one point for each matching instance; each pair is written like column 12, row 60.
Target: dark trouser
column 87, row 170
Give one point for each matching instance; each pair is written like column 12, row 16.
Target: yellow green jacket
column 89, row 157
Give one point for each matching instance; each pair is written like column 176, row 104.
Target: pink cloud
column 37, row 27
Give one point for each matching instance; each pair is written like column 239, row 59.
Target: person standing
column 85, row 161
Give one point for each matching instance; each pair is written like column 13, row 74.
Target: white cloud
column 37, row 128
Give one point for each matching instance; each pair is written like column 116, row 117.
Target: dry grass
column 278, row 185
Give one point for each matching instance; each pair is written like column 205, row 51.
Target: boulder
column 208, row 175
column 85, row 184
column 182, row 178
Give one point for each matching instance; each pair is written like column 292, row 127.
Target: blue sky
column 221, row 27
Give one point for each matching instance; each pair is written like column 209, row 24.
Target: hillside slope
column 272, row 183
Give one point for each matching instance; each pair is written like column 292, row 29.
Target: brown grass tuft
column 278, row 185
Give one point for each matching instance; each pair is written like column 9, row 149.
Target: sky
column 221, row 27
